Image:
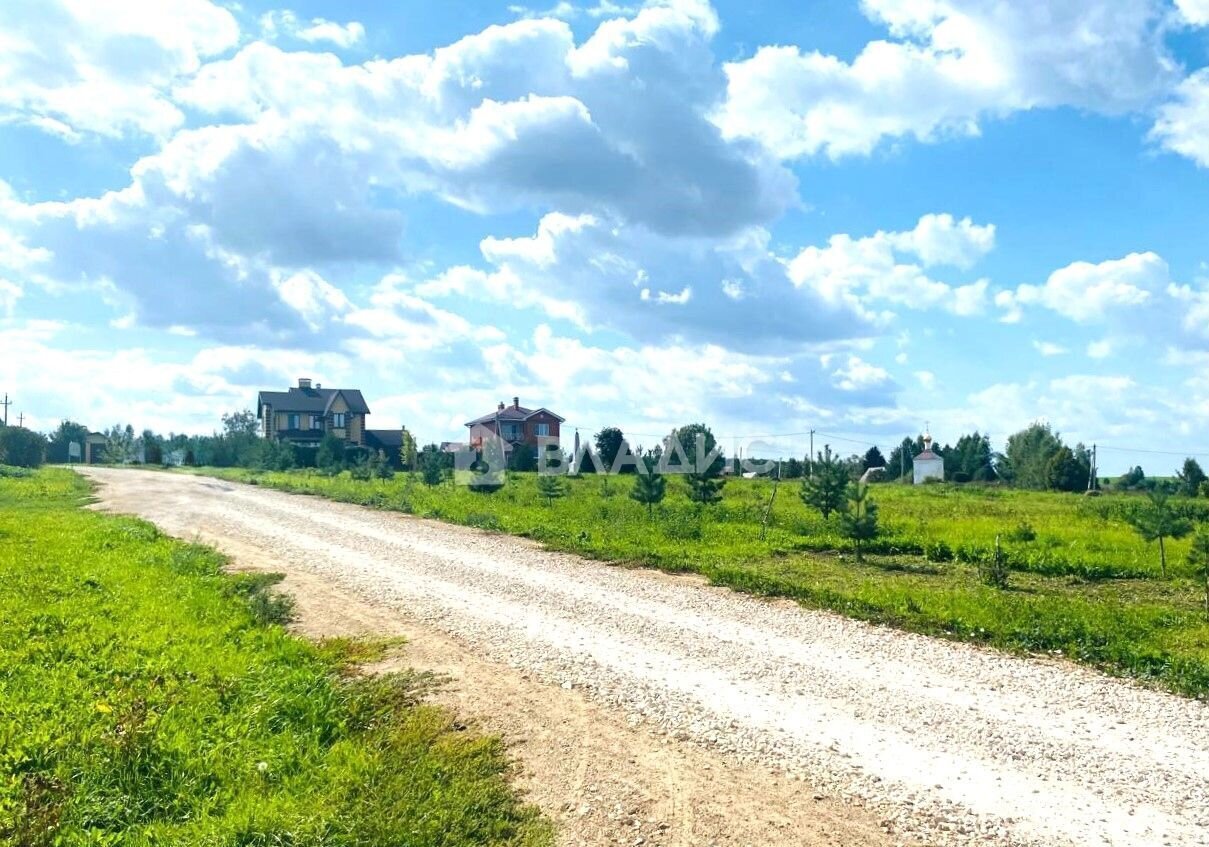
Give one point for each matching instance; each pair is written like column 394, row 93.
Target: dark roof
column 513, row 413
column 928, row 454
column 312, row 400
column 384, row 438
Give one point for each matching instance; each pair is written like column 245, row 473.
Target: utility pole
column 21, row 419
column 6, row 404
column 811, row 456
column 1092, row 481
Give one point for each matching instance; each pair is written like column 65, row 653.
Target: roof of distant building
column 304, row 398
column 515, row 412
column 384, row 438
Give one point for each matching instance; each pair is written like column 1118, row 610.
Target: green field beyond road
column 146, row 698
column 1082, row 581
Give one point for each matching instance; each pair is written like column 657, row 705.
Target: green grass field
column 1085, row 585
column 148, row 699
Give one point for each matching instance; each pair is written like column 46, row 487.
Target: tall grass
column 148, row 699
column 1082, row 583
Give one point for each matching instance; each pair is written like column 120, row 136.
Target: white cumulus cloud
column 1182, row 125
column 72, row 67
column 947, row 66
column 875, row 269
column 1086, row 292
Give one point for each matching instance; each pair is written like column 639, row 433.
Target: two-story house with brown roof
column 303, row 415
column 517, row 426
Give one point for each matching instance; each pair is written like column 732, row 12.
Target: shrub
column 21, row 447
column 993, row 570
column 1023, row 531
column 331, row 458
column 522, row 459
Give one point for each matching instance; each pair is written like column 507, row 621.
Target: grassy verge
column 146, row 698
column 1083, row 585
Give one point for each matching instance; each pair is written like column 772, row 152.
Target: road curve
column 955, row 744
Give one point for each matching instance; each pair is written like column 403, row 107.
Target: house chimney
column 304, row 383
column 501, row 406
column 317, row 385
column 516, row 402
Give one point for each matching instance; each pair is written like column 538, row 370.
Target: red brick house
column 517, row 426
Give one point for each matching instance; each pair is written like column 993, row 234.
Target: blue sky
column 853, row 217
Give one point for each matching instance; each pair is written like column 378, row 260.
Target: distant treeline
column 1035, row 457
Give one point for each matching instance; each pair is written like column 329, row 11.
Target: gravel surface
column 954, row 744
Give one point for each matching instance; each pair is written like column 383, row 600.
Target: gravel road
column 953, row 744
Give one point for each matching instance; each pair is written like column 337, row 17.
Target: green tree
column 359, row 468
column 522, row 459
column 873, row 458
column 1191, row 477
column 153, row 448
column 970, row 459
column 432, row 467
column 22, row 447
column 275, row 456
column 379, row 465
column 706, row 462
column 1198, row 557
column 552, row 487
column 1158, row 521
column 1027, row 455
column 858, row 517
column 699, row 445
column 610, row 442
column 66, row 433
column 331, row 457
column 407, row 451
column 649, row 488
column 703, row 489
column 239, row 423
column 1135, row 477
column 119, row 444
column 1065, row 472
column 901, row 463
column 826, row 488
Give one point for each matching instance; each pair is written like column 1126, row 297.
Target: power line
column 1184, row 453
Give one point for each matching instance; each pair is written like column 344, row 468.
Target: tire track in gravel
column 954, row 743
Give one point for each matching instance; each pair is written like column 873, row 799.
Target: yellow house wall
column 354, row 431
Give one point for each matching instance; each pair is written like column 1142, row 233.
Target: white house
column 927, row 465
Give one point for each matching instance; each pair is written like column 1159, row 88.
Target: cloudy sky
column 854, row 217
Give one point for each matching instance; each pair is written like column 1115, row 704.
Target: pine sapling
column 1158, row 521
column 1198, row 557
column 649, row 489
column 552, row 487
column 858, row 518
